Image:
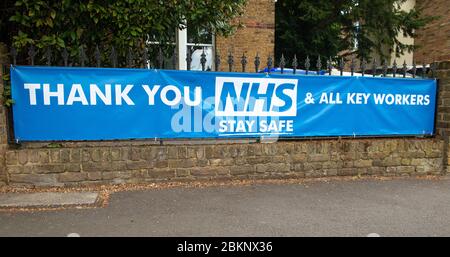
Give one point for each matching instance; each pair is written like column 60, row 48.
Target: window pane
column 196, row 55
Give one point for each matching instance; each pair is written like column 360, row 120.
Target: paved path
column 19, row 200
column 401, row 207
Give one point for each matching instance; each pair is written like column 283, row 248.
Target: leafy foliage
column 361, row 27
column 121, row 23
column 6, row 94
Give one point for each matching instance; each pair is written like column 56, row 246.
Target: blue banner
column 59, row 103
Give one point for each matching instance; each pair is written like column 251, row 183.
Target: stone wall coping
column 198, row 142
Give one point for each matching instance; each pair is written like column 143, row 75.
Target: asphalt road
column 400, row 207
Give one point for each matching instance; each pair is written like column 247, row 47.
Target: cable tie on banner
column 354, row 135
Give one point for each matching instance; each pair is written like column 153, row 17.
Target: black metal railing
column 154, row 57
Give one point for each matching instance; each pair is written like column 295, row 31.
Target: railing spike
column 424, row 69
column 82, row 56
column 341, row 67
column 217, row 61
column 188, row 58
column 404, row 68
column 329, row 66
column 113, row 57
column 230, row 62
column 307, row 65
column 145, row 57
column 414, row 69
column 294, row 64
column 129, row 58
column 385, row 67
column 374, row 67
column 160, row 57
column 282, row 63
column 175, row 58
column 48, row 56
column 243, row 61
column 318, row 65
column 394, row 68
column 257, row 62
column 352, row 66
column 363, row 66
column 433, row 69
column 31, row 54
column 65, row 56
column 269, row 63
column 98, row 56
column 203, row 59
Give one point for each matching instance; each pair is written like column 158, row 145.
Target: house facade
column 434, row 38
column 255, row 36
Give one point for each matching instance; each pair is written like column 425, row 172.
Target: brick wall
column 141, row 163
column 443, row 114
column 434, row 39
column 258, row 36
column 443, row 117
column 3, row 139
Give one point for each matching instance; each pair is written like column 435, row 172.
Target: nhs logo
column 255, row 97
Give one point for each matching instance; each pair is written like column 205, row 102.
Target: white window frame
column 182, row 45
